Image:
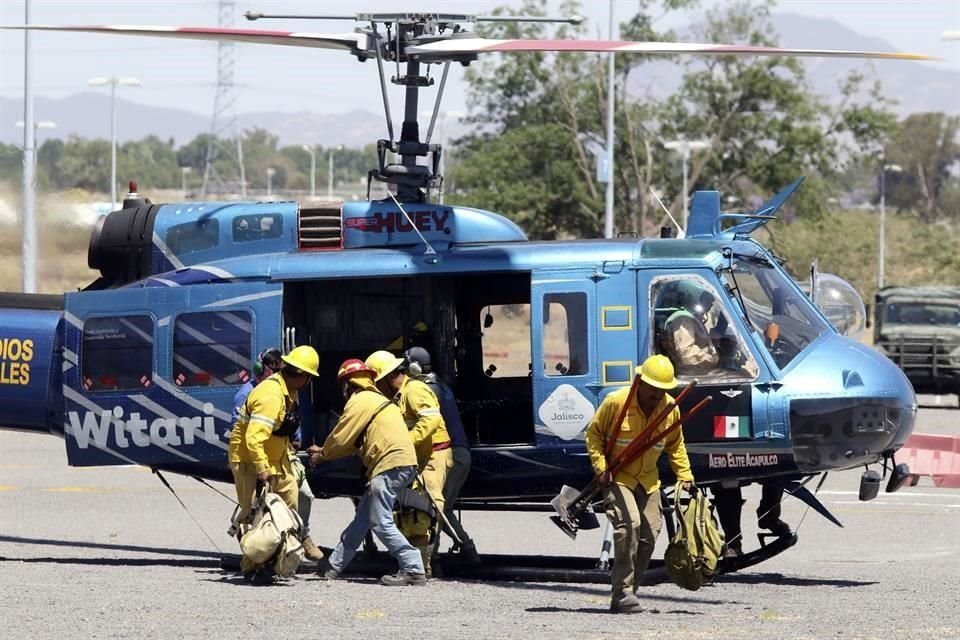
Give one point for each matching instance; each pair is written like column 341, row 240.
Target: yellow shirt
column 386, row 444
column 262, row 413
column 421, row 412
column 642, row 470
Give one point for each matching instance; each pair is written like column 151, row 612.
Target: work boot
column 262, row 577
column 733, row 550
column 403, row 578
column 779, row 528
column 427, row 556
column 311, row 551
column 326, row 571
column 625, row 603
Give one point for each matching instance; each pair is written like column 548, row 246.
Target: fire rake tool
column 573, row 507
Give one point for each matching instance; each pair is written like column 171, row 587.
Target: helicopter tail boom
column 29, row 346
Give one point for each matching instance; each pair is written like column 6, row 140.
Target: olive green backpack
column 693, row 554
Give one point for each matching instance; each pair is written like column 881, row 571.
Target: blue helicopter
column 141, row 366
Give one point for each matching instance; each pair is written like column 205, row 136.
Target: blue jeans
column 375, row 513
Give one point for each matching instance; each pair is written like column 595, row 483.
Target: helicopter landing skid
column 766, row 551
column 523, row 568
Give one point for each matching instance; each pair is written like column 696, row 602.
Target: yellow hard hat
column 304, row 358
column 383, row 363
column 657, row 371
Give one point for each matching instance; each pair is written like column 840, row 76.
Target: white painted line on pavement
column 908, row 494
column 893, row 504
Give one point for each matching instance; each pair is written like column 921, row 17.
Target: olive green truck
column 919, row 329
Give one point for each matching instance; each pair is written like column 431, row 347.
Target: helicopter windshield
column 784, row 319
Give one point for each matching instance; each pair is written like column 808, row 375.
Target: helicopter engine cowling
column 121, row 246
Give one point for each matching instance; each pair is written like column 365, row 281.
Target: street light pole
column 608, row 196
column 339, row 147
column 113, row 82
column 38, row 124
column 29, row 235
column 313, row 170
column 270, row 172
column 684, row 147
column 183, row 179
column 883, row 219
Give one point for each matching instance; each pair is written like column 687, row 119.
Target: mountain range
column 916, row 87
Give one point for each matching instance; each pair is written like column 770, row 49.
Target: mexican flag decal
column 731, row 427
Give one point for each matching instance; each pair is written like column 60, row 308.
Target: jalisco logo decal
column 741, row 460
column 141, row 433
column 566, row 412
column 395, row 221
column 15, row 357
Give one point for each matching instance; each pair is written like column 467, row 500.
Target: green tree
column 194, row 153
column 85, row 164
column 926, row 147
column 11, row 163
column 151, row 162
column 49, row 157
column 764, row 122
column 765, row 125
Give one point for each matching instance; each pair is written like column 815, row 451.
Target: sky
column 182, row 74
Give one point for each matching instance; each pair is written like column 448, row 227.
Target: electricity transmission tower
column 225, row 141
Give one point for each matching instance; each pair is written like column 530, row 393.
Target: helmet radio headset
column 259, row 367
column 413, row 367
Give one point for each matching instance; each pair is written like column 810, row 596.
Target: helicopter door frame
column 152, row 417
column 733, row 400
column 563, row 354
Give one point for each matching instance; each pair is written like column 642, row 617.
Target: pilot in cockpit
column 697, row 334
column 685, row 338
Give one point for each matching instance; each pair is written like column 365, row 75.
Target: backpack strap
column 358, row 443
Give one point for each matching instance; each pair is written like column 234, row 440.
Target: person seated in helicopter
column 697, row 335
column 685, row 338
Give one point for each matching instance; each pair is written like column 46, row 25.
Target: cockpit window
column 785, row 319
column 694, row 330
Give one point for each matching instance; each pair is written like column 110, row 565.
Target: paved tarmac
column 109, row 553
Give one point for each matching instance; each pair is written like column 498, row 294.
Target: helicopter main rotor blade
column 341, row 41
column 453, row 46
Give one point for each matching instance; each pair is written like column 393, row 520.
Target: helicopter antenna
column 430, row 251
column 681, row 233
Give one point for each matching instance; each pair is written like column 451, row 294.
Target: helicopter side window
column 261, row 226
column 188, row 237
column 564, row 334
column 212, row 349
column 693, row 329
column 506, row 340
column 117, row 353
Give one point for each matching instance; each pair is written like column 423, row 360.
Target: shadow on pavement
column 213, row 555
column 790, row 581
column 117, row 562
column 607, row 611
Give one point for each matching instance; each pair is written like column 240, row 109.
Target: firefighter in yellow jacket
column 372, row 427
column 632, row 498
column 261, row 434
column 421, row 411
